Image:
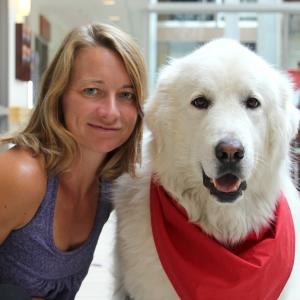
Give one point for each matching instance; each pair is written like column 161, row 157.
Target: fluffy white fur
column 181, row 142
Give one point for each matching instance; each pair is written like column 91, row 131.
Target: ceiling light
column 109, row 2
column 24, row 7
column 23, row 10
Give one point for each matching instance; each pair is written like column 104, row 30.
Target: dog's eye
column 252, row 103
column 201, row 102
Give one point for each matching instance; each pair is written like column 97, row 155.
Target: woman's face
column 99, row 102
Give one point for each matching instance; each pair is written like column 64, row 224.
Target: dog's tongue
column 227, row 183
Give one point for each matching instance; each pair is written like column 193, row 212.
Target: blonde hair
column 46, row 133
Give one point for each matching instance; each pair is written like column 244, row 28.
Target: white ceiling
column 64, row 15
column 71, row 13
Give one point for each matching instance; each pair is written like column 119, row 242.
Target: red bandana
column 201, row 268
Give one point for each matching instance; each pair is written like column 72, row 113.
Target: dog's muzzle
column 228, row 186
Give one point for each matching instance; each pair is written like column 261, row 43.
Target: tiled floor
column 99, row 284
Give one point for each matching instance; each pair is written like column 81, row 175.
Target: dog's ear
column 152, row 112
column 155, row 108
column 283, row 116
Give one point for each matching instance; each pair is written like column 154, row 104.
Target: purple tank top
column 30, row 259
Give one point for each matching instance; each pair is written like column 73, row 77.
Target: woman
column 54, row 183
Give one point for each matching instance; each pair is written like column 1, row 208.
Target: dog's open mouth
column 226, row 188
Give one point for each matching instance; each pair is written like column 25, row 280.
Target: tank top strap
column 104, row 209
column 105, row 196
column 44, row 215
column 49, row 200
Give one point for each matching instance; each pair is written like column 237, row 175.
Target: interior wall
column 3, row 52
column 17, row 90
column 58, row 30
column 4, row 65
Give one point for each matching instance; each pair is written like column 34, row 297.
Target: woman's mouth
column 105, row 128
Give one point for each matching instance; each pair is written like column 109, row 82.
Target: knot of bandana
column 199, row 267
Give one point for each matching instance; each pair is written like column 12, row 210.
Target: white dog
column 213, row 213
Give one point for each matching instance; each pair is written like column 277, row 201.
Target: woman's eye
column 252, row 103
column 201, row 102
column 90, row 91
column 128, row 95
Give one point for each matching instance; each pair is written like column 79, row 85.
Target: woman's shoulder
column 21, row 166
column 23, row 182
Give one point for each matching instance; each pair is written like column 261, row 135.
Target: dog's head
column 221, row 121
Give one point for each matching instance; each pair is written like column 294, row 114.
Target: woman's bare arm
column 22, row 187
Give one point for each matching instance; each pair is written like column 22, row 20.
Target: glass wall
column 293, row 40
column 275, row 35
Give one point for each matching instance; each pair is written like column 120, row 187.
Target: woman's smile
column 104, row 128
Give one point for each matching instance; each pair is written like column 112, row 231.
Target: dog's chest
column 143, row 274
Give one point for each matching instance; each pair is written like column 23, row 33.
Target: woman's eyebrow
column 102, row 82
column 92, row 80
column 128, row 86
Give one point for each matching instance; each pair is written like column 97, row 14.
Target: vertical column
column 152, row 47
column 4, row 65
column 269, row 35
column 152, row 50
column 285, row 41
column 232, row 29
column 142, row 26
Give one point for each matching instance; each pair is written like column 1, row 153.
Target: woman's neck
column 82, row 175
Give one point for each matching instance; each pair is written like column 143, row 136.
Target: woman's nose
column 109, row 109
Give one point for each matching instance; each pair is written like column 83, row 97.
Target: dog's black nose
column 229, row 151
